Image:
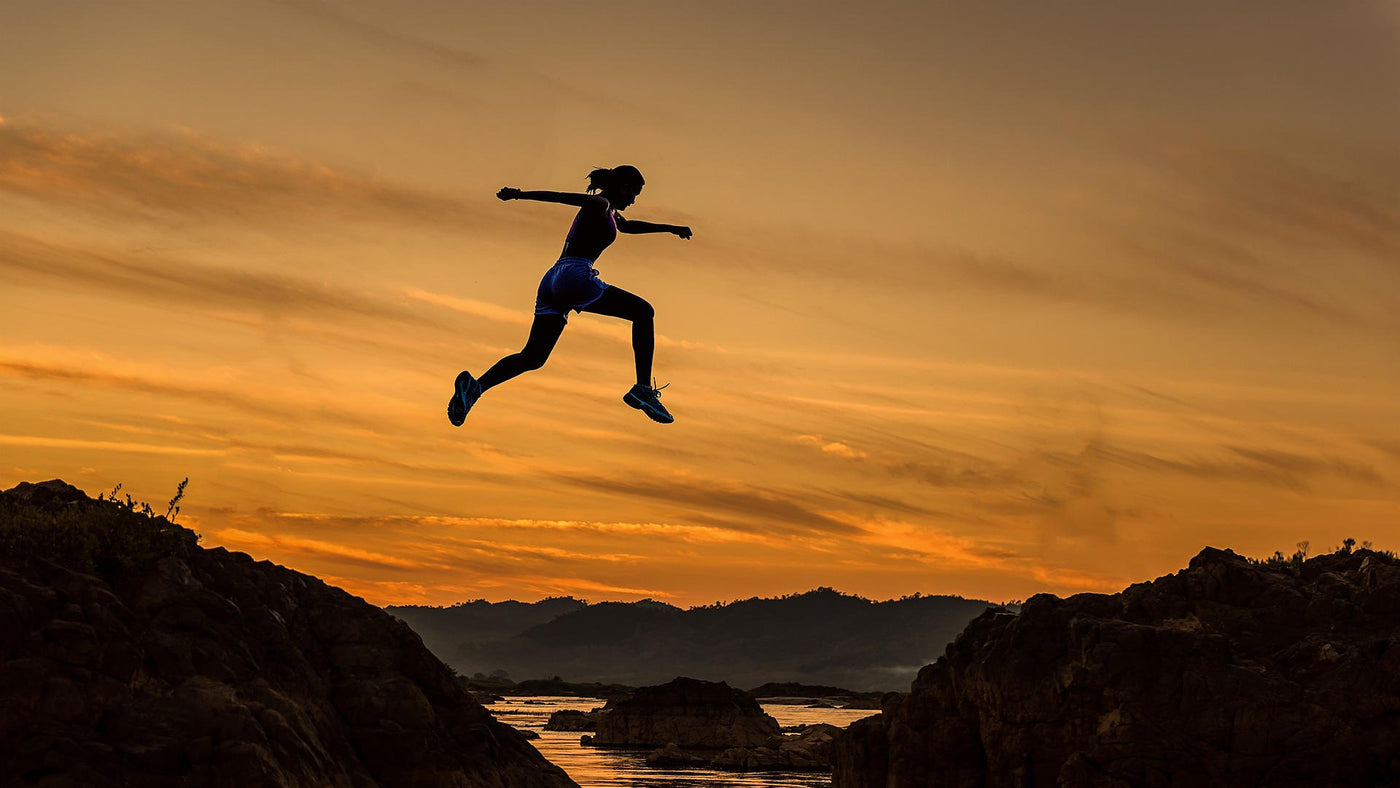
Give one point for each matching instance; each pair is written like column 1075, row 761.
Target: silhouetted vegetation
column 1347, row 547
column 109, row 535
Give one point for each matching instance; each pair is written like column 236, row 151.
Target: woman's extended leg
column 616, row 302
column 543, row 334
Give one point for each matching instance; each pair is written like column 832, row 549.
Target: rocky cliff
column 131, row 656
column 1227, row 673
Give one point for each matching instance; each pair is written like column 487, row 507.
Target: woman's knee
column 644, row 312
column 531, row 360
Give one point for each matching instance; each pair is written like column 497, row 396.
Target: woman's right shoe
column 466, row 391
column 647, row 399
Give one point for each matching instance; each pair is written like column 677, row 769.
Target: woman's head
column 620, row 184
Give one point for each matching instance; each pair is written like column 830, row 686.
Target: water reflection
column 597, row 768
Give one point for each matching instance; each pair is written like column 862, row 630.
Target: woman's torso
column 591, row 233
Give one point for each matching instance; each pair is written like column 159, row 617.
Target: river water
column 592, row 767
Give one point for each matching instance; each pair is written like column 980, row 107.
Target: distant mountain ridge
column 441, row 627
column 818, row 637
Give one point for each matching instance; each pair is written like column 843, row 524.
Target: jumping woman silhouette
column 573, row 283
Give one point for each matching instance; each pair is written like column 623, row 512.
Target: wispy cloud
column 937, row 271
column 698, row 534
column 888, row 503
column 896, row 540
column 183, row 173
column 1391, row 447
column 836, row 448
column 1312, row 193
column 222, row 396
column 1305, row 465
column 1074, row 580
column 296, row 545
column 383, row 38
column 40, row 441
column 766, row 510
column 1259, row 466
column 1259, row 221
column 188, row 284
column 1217, row 228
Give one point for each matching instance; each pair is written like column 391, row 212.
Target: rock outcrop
column 816, row 696
column 131, row 656
column 706, row 724
column 1227, row 673
column 573, row 720
column 809, row 749
column 692, row 714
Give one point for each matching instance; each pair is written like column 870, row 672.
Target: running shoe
column 648, row 400
column 467, row 392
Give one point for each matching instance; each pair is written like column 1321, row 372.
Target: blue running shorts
column 572, row 283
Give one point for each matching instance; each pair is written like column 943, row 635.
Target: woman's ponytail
column 621, row 175
column 599, row 179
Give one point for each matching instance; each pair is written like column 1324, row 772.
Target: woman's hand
column 683, row 232
column 509, row 193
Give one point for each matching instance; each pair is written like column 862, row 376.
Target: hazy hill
column 819, row 637
column 129, row 655
column 441, row 627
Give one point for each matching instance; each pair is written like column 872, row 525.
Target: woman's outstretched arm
column 636, row 228
column 567, row 198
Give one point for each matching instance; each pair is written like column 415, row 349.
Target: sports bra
column 589, row 235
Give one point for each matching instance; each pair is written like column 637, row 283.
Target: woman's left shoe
column 466, row 391
column 648, row 400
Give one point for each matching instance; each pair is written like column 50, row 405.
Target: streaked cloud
column 47, row 442
column 836, row 448
column 770, row 510
column 296, row 545
column 1242, row 220
column 1267, row 467
column 384, row 38
column 188, row 284
column 1305, row 465
column 164, row 386
column 698, row 534
column 1073, row 581
column 185, row 173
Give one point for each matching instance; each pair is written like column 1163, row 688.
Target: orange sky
column 986, row 299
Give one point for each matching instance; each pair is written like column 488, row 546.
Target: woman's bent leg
column 616, row 302
column 543, row 334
